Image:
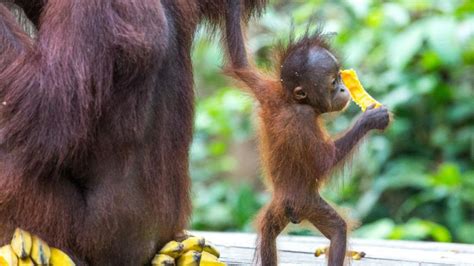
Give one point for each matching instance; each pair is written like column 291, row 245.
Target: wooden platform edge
column 239, row 249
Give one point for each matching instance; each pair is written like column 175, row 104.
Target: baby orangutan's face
column 322, row 80
column 319, row 83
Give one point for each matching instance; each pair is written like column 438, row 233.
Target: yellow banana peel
column 190, row 258
column 26, row 262
column 173, row 249
column 193, row 243
column 8, row 256
column 40, row 251
column 357, row 91
column 209, row 247
column 356, row 255
column 59, row 258
column 192, row 251
column 320, row 251
column 163, row 260
column 208, row 259
column 29, row 250
column 21, row 243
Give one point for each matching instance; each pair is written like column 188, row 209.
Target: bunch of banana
column 353, row 254
column 358, row 93
column 26, row 249
column 193, row 251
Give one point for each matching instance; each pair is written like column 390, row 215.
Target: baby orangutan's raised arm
column 238, row 65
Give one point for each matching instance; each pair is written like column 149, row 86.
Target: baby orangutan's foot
column 353, row 254
column 28, row 249
column 191, row 251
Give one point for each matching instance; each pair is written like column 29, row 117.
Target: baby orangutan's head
column 310, row 74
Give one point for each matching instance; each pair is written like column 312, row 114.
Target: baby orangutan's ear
column 299, row 93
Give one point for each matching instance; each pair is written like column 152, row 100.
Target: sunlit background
column 415, row 181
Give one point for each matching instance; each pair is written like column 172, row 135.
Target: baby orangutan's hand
column 375, row 118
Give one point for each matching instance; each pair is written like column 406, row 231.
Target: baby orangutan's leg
column 332, row 226
column 271, row 221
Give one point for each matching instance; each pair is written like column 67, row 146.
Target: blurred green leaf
column 466, row 233
column 416, row 229
column 376, row 230
column 448, row 175
column 404, row 46
column 441, row 34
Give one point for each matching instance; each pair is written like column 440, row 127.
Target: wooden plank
column 239, row 248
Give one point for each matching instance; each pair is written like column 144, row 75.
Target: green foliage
column 416, row 180
column 413, row 229
column 220, row 120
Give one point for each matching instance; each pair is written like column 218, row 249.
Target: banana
column 40, row 251
column 358, row 94
column 162, row 260
column 353, row 254
column 356, row 255
column 21, row 243
column 190, row 258
column 193, row 243
column 173, row 249
column 208, row 259
column 8, row 256
column 25, row 262
column 209, row 247
column 320, row 251
column 59, row 258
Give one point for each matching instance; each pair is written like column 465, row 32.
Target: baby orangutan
column 297, row 153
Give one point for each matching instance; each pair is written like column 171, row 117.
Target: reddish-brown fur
column 297, row 156
column 297, row 153
column 97, row 120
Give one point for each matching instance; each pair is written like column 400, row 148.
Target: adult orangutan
column 96, row 121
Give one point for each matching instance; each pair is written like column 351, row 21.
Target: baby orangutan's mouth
column 340, row 105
